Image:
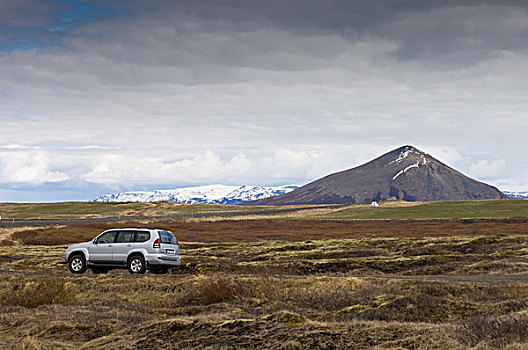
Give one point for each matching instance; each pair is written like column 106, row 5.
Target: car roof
column 131, row 228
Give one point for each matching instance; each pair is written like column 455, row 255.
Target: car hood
column 80, row 245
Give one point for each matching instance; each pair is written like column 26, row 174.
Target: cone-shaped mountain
column 403, row 174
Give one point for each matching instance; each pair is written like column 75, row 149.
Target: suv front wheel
column 136, row 264
column 77, row 264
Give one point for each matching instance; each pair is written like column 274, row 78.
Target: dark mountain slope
column 403, row 174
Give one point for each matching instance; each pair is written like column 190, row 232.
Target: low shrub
column 494, row 331
column 217, row 289
column 34, row 293
column 323, row 294
column 6, row 243
column 330, row 294
column 54, row 236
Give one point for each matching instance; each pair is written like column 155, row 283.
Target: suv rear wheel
column 77, row 263
column 136, row 264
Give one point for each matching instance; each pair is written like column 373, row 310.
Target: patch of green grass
column 60, row 328
column 19, row 211
column 378, row 301
column 510, row 208
column 286, row 317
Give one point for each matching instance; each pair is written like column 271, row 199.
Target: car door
column 123, row 246
column 141, row 240
column 102, row 248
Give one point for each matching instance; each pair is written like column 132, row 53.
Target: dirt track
column 488, row 279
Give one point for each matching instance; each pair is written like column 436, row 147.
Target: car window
column 107, row 237
column 167, row 237
column 142, row 236
column 125, row 237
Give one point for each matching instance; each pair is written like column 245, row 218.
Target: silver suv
column 136, row 249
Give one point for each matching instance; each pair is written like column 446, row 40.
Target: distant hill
column 210, row 194
column 405, row 173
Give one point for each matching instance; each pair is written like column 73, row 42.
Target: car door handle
column 129, row 245
column 109, row 245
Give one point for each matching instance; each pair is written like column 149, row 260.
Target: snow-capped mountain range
column 516, row 195
column 210, row 194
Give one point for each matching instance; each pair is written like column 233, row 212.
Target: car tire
column 98, row 270
column 136, row 264
column 77, row 264
column 159, row 270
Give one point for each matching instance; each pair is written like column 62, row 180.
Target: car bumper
column 163, row 259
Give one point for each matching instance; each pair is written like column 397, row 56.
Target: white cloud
column 91, row 147
column 204, row 167
column 485, row 169
column 14, row 146
column 30, row 168
column 447, row 155
column 514, row 183
column 290, row 163
column 269, row 167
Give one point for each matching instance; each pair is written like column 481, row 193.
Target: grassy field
column 434, row 210
column 313, row 280
column 80, row 210
column 387, row 210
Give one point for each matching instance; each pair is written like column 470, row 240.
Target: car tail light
column 156, row 244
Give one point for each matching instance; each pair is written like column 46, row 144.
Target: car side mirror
column 94, row 241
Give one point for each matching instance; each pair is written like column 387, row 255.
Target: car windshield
column 167, row 237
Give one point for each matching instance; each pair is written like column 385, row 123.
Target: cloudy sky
column 98, row 96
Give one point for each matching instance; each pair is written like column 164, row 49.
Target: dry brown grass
column 260, row 311
column 6, row 234
column 496, row 332
column 218, row 289
column 280, row 284
column 284, row 230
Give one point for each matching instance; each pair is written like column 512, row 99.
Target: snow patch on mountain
column 406, row 152
column 516, row 195
column 209, row 194
column 417, row 165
